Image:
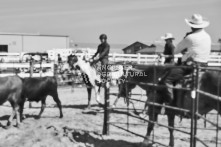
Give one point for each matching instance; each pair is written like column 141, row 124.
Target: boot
column 168, row 92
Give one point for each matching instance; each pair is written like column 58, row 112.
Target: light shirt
column 198, row 45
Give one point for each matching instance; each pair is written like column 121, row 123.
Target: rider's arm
column 184, row 44
column 104, row 52
column 96, row 52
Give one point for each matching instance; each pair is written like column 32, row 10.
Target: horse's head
column 72, row 61
column 125, row 87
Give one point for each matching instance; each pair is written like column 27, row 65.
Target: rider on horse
column 103, row 51
column 196, row 47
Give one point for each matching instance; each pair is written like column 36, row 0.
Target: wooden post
column 40, row 66
column 113, row 57
column 31, row 73
column 106, row 112
column 194, row 96
column 106, row 107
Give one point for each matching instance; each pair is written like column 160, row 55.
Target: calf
column 37, row 89
column 11, row 90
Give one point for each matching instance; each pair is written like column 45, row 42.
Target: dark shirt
column 103, row 51
column 169, row 50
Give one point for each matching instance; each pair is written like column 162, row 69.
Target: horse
column 91, row 76
column 209, row 81
column 136, row 76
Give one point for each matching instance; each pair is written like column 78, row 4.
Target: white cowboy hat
column 167, row 36
column 197, row 21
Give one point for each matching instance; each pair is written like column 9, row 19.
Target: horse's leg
column 146, row 105
column 115, row 102
column 120, row 89
column 43, row 104
column 89, row 97
column 171, row 124
column 97, row 94
column 147, row 141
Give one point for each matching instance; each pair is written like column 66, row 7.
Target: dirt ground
column 83, row 128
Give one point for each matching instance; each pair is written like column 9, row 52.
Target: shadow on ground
column 96, row 140
column 5, row 117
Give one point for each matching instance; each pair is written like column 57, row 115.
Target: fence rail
column 215, row 60
column 24, row 69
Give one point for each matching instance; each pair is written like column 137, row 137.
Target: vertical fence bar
column 196, row 87
column 154, row 97
column 193, row 95
column 31, row 68
column 127, row 99
column 106, row 105
column 217, row 115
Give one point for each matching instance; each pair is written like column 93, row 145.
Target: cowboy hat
column 167, row 36
column 197, row 21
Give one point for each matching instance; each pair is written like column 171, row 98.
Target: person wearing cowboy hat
column 195, row 47
column 168, row 48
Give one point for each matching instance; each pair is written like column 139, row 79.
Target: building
column 31, row 42
column 133, row 48
column 152, row 49
column 216, row 48
column 138, row 47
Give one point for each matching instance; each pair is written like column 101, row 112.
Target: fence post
column 106, row 106
column 113, row 57
column 138, row 58
column 194, row 109
column 31, row 73
column 196, row 85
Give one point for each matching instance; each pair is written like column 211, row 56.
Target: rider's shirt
column 198, row 45
column 168, row 50
column 103, row 51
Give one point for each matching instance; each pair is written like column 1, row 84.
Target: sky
column 124, row 21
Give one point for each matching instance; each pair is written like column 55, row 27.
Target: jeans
column 175, row 74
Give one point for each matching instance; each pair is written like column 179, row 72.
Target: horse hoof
column 18, row 125
column 61, row 116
